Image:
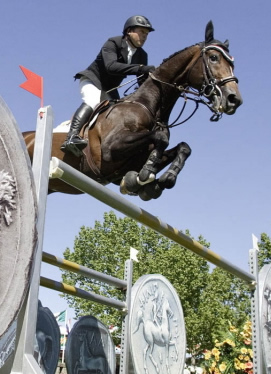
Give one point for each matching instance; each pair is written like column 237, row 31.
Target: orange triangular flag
column 34, row 83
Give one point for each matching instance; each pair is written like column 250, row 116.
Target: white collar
column 131, row 52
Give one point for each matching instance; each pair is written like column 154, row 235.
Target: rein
column 210, row 87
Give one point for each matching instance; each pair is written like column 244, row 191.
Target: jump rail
column 61, row 170
column 89, row 273
column 76, row 268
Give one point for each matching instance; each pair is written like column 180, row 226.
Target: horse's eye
column 214, row 58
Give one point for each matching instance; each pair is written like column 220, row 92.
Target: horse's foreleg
column 177, row 157
column 167, row 359
column 145, row 358
column 150, row 169
column 154, row 363
column 168, row 179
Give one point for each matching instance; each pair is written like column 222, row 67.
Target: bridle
column 211, row 85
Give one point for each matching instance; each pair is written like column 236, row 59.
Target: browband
column 220, row 49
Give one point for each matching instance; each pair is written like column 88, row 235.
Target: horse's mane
column 176, row 53
column 201, row 44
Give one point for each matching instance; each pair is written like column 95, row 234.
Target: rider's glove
column 145, row 69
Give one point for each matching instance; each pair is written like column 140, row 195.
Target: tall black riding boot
column 74, row 143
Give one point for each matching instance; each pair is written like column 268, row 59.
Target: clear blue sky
column 224, row 190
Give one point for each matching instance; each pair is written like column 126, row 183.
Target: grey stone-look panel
column 18, row 214
column 157, row 330
column 47, row 345
column 90, row 348
column 265, row 314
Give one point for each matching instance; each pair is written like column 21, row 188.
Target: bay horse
column 128, row 143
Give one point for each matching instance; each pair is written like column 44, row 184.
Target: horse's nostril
column 234, row 100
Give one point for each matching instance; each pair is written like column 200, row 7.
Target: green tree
column 203, row 295
column 225, row 299
column 264, row 256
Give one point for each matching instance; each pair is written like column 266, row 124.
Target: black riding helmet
column 137, row 21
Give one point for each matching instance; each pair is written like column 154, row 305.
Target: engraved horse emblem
column 87, row 361
column 156, row 331
column 267, row 325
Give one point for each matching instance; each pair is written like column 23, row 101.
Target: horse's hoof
column 129, row 185
column 143, row 195
column 150, row 191
column 167, row 180
column 151, row 178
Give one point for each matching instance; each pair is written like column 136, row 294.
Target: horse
column 156, row 331
column 127, row 144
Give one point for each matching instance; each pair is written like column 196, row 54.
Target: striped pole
column 74, row 291
column 61, row 170
column 83, row 270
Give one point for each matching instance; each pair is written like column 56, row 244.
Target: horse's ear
column 209, row 32
column 227, row 43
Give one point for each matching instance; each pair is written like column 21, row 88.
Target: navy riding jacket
column 110, row 66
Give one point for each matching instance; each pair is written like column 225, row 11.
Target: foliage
column 208, row 299
column 224, row 298
column 233, row 354
column 264, row 256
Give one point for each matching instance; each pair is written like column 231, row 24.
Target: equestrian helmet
column 137, row 21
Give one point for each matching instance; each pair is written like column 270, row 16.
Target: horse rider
column 120, row 56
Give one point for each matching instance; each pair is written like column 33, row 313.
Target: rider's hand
column 146, row 69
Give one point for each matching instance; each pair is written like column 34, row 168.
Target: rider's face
column 138, row 36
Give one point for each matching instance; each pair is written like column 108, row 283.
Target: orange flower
column 249, row 365
column 247, row 341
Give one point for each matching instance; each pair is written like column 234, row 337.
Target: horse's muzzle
column 232, row 103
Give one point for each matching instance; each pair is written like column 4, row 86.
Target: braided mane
column 201, row 44
column 176, row 53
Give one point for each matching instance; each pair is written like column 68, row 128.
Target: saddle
column 87, row 160
column 105, row 104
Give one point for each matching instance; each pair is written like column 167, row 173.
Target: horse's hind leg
column 168, row 179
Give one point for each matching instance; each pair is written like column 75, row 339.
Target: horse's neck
column 160, row 97
column 164, row 316
column 175, row 69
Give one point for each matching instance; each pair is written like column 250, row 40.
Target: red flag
column 34, row 83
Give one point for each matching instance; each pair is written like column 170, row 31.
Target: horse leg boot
column 74, row 143
column 169, row 178
column 148, row 173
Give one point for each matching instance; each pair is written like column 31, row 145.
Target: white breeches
column 90, row 94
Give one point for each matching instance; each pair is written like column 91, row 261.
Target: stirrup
column 77, row 140
column 73, row 148
column 76, row 148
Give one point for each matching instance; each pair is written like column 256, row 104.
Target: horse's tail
column 139, row 319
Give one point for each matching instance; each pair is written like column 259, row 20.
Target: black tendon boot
column 74, row 143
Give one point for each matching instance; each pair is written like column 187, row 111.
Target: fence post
column 255, row 314
column 24, row 361
column 125, row 333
